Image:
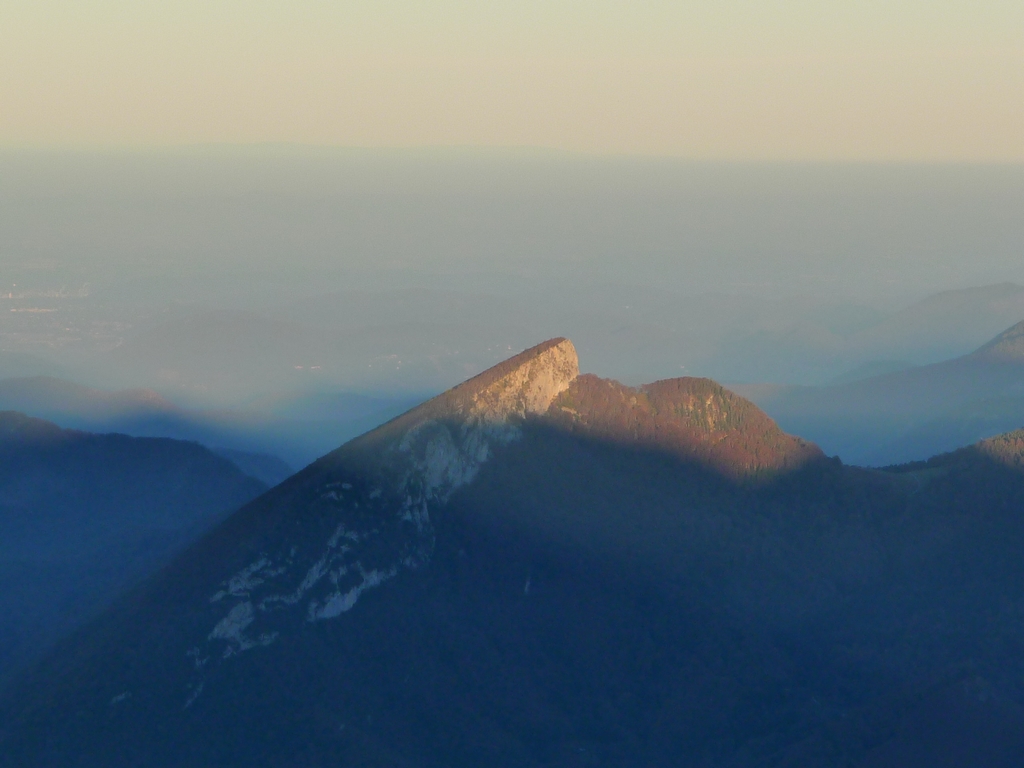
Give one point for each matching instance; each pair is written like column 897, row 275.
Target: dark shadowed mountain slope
column 82, row 516
column 537, row 569
column 909, row 414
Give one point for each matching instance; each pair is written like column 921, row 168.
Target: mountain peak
column 446, row 439
column 526, row 384
column 361, row 515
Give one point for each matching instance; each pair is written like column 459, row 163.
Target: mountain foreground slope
column 539, row 568
column 83, row 516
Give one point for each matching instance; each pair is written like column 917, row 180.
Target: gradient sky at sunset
column 933, row 80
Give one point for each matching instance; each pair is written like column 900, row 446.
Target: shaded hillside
column 909, row 414
column 82, row 516
column 538, row 569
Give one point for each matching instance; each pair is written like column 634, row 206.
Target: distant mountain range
column 908, row 414
column 943, row 325
column 270, row 382
column 83, row 516
column 409, row 342
column 298, row 427
column 541, row 568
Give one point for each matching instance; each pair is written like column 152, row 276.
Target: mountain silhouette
column 542, row 568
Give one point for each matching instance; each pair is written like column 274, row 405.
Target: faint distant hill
column 819, row 346
column 908, row 414
column 416, row 341
column 870, row 370
column 225, row 356
column 84, row 515
column 299, row 426
column 79, row 405
column 1007, row 347
column 944, row 325
column 542, row 569
column 21, row 364
column 138, row 412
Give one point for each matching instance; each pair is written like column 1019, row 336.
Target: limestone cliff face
column 530, row 386
column 449, row 438
column 364, row 513
column 441, row 444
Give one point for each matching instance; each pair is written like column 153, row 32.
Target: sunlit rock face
column 441, row 445
column 372, row 502
column 534, row 380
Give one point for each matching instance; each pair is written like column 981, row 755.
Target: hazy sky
column 934, row 80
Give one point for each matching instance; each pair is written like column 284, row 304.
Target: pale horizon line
column 522, row 150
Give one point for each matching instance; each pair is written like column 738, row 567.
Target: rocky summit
column 542, row 568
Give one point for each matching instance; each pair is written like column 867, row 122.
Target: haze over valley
column 288, row 472
column 288, row 299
